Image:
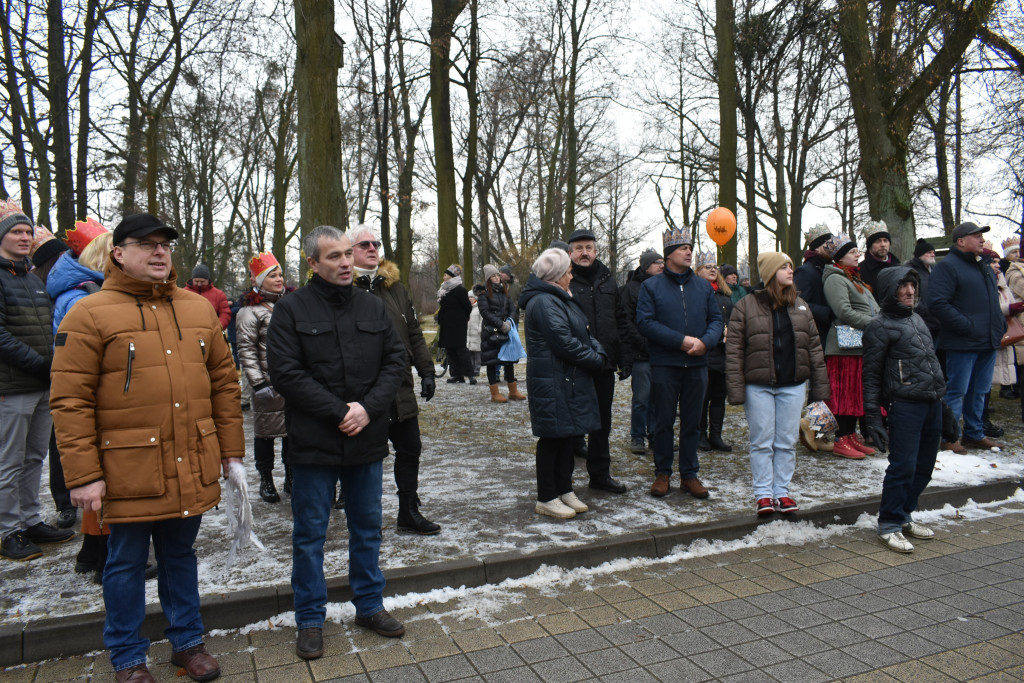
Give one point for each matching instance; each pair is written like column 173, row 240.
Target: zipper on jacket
column 202, row 347
column 131, row 357
column 899, row 363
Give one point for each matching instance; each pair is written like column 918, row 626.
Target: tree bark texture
column 725, row 21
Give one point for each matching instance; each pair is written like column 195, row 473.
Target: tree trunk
column 57, row 92
column 318, row 57
column 84, row 123
column 442, row 21
column 471, row 141
column 725, row 19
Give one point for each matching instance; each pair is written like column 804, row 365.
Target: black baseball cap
column 968, row 228
column 139, row 225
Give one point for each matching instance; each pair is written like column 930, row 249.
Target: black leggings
column 510, row 373
column 263, row 453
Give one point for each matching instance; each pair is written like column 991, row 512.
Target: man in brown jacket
column 147, row 411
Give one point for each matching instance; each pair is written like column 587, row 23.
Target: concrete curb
column 57, row 637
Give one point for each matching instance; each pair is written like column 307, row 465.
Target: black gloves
column 427, row 387
column 874, row 431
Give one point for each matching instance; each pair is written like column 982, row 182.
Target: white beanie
column 551, row 265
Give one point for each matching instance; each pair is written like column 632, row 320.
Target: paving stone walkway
column 841, row 609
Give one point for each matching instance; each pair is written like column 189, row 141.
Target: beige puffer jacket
column 251, row 326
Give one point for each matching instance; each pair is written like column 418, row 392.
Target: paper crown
column 821, row 418
column 874, row 227
column 706, row 259
column 819, row 230
column 11, row 215
column 261, row 263
column 40, row 236
column 84, row 232
column 1011, row 244
column 836, row 243
column 676, row 237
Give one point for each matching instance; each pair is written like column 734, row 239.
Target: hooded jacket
column 563, row 359
column 923, row 272
column 494, row 308
column 329, row 346
column 628, row 296
column 251, row 324
column 68, row 282
column 676, row 305
column 870, row 267
column 26, row 330
column 962, row 295
column 899, row 361
column 387, row 286
column 217, row 298
column 145, row 396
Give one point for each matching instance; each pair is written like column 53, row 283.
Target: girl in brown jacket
column 772, row 351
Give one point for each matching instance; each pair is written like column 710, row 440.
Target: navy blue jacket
column 672, row 306
column 962, row 295
column 562, row 361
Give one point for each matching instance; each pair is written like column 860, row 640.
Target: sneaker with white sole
column 554, row 508
column 896, row 541
column 915, row 530
column 572, row 501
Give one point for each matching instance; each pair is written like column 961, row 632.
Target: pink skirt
column 845, row 377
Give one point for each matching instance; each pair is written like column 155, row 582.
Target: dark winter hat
column 922, row 247
column 201, row 271
column 507, row 270
column 139, row 225
column 726, row 270
column 648, row 258
column 50, row 249
column 968, row 228
column 582, row 234
column 877, row 230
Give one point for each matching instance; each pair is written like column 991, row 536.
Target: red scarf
column 853, row 273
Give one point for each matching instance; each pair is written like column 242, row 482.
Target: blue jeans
column 124, row 587
column 914, row 433
column 968, row 381
column 641, row 423
column 773, row 417
column 677, row 390
column 312, row 497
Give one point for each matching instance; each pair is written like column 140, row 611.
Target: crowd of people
column 130, row 385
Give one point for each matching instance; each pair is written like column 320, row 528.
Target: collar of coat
column 114, row 278
column 387, row 275
column 16, row 267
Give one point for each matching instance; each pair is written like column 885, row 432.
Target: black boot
column 268, row 492
column 410, row 519
column 716, row 418
column 703, row 444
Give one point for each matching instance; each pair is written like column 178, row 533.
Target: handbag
column 512, row 350
column 849, row 337
column 496, row 336
column 1014, row 331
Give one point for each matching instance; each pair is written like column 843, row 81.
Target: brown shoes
column 197, row 662
column 660, row 486
column 135, row 674
column 983, row 443
column 953, row 446
column 694, row 487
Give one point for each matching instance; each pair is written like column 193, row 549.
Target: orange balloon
column 721, row 225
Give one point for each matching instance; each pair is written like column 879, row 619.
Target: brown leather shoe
column 984, row 443
column 660, row 486
column 953, row 446
column 135, row 674
column 199, row 664
column 694, row 487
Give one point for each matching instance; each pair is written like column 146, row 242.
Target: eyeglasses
column 366, row 244
column 150, row 246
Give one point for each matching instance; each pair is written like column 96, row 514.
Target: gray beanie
column 490, row 271
column 648, row 258
column 551, row 265
column 9, row 219
column 201, row 270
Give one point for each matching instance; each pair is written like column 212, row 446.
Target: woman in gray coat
column 251, row 325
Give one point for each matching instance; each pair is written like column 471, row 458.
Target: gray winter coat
column 251, row 325
column 899, row 361
column 851, row 307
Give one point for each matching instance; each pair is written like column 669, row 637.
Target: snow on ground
column 477, row 481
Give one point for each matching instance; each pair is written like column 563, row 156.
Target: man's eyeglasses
column 150, row 246
column 366, row 244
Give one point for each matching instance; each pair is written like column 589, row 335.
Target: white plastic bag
column 235, row 494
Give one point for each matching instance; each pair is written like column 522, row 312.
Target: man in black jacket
column 902, row 374
column 641, row 427
column 335, row 357
column 807, row 278
column 877, row 255
column 383, row 279
column 594, row 289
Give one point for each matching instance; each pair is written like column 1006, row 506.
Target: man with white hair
column 382, row 278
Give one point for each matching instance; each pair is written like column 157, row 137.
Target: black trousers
column 510, row 373
column 714, row 402
column 554, row 467
column 459, row 363
column 599, row 459
column 263, row 453
column 405, row 438
column 58, row 488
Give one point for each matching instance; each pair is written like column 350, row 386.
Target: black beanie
column 922, row 247
column 49, row 249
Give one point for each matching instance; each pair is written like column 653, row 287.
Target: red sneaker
column 765, row 507
column 859, row 444
column 786, row 505
column 844, row 448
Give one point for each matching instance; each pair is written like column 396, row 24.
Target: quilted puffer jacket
column 26, row 337
column 899, row 362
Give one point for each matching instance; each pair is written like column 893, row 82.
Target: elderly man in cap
column 641, row 428
column 146, row 406
column 962, row 294
column 878, row 256
column 594, row 289
column 678, row 314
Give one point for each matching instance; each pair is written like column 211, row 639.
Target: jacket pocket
column 314, row 340
column 209, row 451
column 133, row 463
column 371, row 326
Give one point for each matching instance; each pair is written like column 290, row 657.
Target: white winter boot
column 572, row 501
column 554, row 508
